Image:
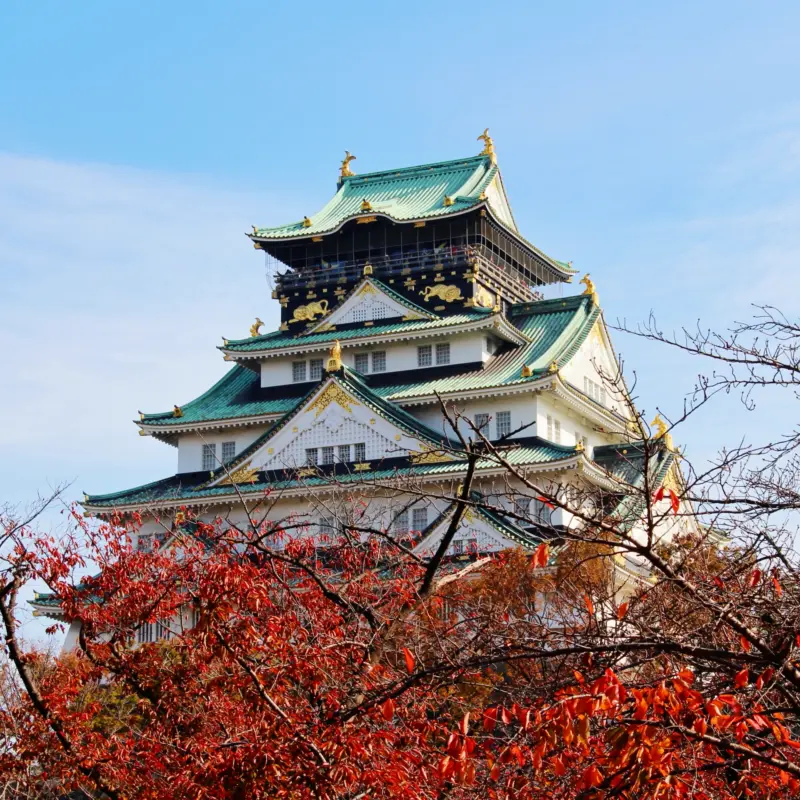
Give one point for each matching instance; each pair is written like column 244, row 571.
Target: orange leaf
column 387, row 709
column 542, row 555
column 622, row 610
column 744, row 643
column 464, row 725
column 589, row 603
column 409, row 657
column 489, row 719
column 755, row 578
column 777, row 584
column 742, row 678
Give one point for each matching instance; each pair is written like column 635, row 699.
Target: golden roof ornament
column 335, row 361
column 662, row 431
column 255, row 328
column 579, row 446
column 526, row 371
column 344, row 170
column 553, row 368
column 307, row 223
column 366, row 205
column 177, row 411
column 448, row 201
column 141, row 416
column 368, row 269
column 488, row 146
column 255, row 230
column 590, row 288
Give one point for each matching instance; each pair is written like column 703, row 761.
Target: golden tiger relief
column 448, row 293
column 309, row 312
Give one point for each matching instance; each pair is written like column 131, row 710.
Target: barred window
column 298, row 371
column 210, row 457
column 228, row 451
column 146, row 633
column 315, row 369
column 541, row 512
column 503, row 423
column 522, row 506
column 327, row 455
column 327, row 526
column 553, row 429
column 420, row 519
column 362, row 362
column 312, row 456
column 400, row 524
column 482, row 422
column 360, row 312
column 360, row 451
column 443, row 353
column 458, row 546
column 344, row 453
column 163, row 630
column 424, row 355
column 379, row 361
column 594, row 390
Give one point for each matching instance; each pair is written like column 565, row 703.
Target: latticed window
column 420, row 519
column 362, row 362
column 379, row 361
column 458, row 546
column 315, row 369
column 553, row 429
column 360, row 451
column 343, row 453
column 360, row 312
column 482, row 422
column 327, row 455
column 522, row 506
column 312, row 456
column 327, row 526
column 400, row 524
column 210, row 457
column 503, row 423
column 443, row 353
column 163, row 630
column 228, row 451
column 424, row 355
column 595, row 391
column 298, row 371
column 146, row 633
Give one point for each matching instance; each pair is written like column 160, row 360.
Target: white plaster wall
column 190, row 445
column 464, row 348
column 573, row 424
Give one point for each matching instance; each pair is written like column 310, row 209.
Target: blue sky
column 657, row 146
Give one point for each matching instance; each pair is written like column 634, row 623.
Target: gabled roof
column 368, row 288
column 281, row 340
column 403, row 195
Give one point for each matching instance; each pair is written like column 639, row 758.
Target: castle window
column 503, row 423
column 360, row 313
column 327, row 526
column 361, row 451
column 424, row 355
column 522, row 506
column 362, row 362
column 344, row 453
column 400, row 524
column 298, row 371
column 379, row 361
column 315, row 369
column 228, row 451
column 327, row 455
column 553, row 429
column 312, row 456
column 443, row 353
column 482, row 422
column 209, row 457
column 458, row 546
column 594, row 390
column 420, row 519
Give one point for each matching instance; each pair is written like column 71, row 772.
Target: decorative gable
column 340, row 421
column 371, row 300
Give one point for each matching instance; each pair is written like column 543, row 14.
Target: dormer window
column 370, row 362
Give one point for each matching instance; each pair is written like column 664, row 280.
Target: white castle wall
column 190, row 445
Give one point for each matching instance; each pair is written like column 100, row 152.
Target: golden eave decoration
column 244, row 474
column 488, row 146
column 255, row 328
column 344, row 169
column 448, row 293
column 333, row 394
column 366, row 205
column 429, row 456
column 335, row 360
column 307, row 223
column 177, row 411
column 310, row 311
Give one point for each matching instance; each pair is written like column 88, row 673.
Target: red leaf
column 622, row 610
column 387, row 709
column 755, row 578
column 542, row 555
column 546, row 502
column 489, row 719
column 589, row 603
column 464, row 724
column 744, row 643
column 409, row 657
column 777, row 584
column 742, row 678
column 659, row 495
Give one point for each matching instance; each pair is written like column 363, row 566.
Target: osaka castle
column 410, row 297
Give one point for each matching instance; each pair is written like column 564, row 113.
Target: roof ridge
column 400, row 171
column 228, row 375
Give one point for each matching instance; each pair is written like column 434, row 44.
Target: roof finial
column 366, row 205
column 177, row 411
column 335, row 361
column 662, row 431
column 255, row 328
column 344, row 170
column 590, row 290
column 488, row 146
column 307, row 223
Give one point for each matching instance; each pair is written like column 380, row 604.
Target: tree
column 653, row 650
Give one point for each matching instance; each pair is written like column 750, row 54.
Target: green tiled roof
column 184, row 487
column 556, row 328
column 412, row 193
column 279, row 339
column 237, row 394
